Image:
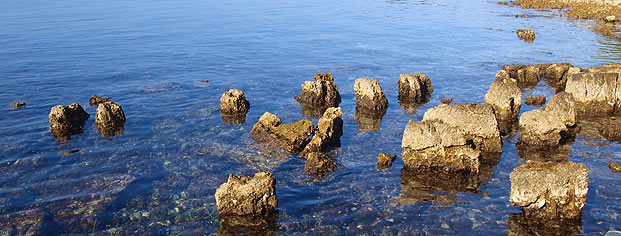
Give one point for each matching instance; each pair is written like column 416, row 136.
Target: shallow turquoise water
column 151, row 56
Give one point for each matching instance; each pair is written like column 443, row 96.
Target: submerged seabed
column 160, row 176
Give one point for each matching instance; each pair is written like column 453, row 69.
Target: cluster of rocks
column 528, row 35
column 66, row 120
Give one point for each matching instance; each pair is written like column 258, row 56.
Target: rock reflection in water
column 369, row 120
column 435, row 186
column 409, row 107
column 596, row 127
column 248, row 225
column 519, row 224
column 545, row 153
column 233, row 119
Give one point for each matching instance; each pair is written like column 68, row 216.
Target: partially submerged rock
column 328, row 132
column 20, row 104
column 250, row 225
column 527, row 76
column 527, row 35
column 535, row 100
column 66, row 120
column 611, row 132
column 506, row 100
column 549, row 190
column 520, row 224
column 110, row 118
column 245, row 195
column 434, row 145
column 95, row 100
column 316, row 96
column 595, row 92
column 414, row 88
column 548, row 126
column 264, row 128
column 369, row 96
column 614, row 167
column 293, row 137
column 234, row 102
column 384, row 160
column 476, row 121
column 318, row 164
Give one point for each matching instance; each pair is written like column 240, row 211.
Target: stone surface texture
column 329, row 131
column 234, row 102
column 67, row 119
column 505, row 98
column 369, row 95
column 245, row 195
column 549, row 125
column 414, row 88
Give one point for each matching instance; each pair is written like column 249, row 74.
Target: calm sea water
column 160, row 176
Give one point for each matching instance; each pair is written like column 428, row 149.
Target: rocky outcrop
column 414, row 88
column 328, row 132
column 548, row 126
column 476, row 121
column 528, row 35
column 535, row 101
column 434, row 145
column 293, row 137
column 318, row 95
column 548, row 190
column 506, row 100
column 384, row 160
column 318, row 164
column 95, row 100
column 110, row 118
column 595, row 93
column 503, row 76
column 66, row 120
column 234, row 102
column 526, row 76
column 369, row 96
column 245, row 195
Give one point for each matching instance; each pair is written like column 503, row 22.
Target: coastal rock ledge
column 245, row 195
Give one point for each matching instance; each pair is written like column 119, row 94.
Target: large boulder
column 369, row 96
column 316, row 96
column 234, row 102
column 506, row 100
column 548, row 126
column 318, row 164
column 328, row 132
column 546, row 190
column 66, row 120
column 245, row 195
column 595, row 92
column 434, row 145
column 110, row 118
column 476, row 121
column 414, row 88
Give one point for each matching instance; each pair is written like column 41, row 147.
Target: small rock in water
column 245, row 195
column 384, row 160
column 316, row 96
column 369, row 96
column 414, row 88
column 535, row 100
column 328, row 133
column 20, row 104
column 66, row 120
column 549, row 125
column 614, row 167
column 528, row 35
column 71, row 152
column 234, row 102
column 110, row 118
column 95, row 100
column 447, row 100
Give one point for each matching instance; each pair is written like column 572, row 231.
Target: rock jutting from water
column 293, row 137
column 549, row 125
column 527, row 76
column 110, row 118
column 528, row 35
column 246, row 195
column 611, row 132
column 437, row 146
column 66, row 120
column 234, row 107
column 95, row 100
column 328, row 133
column 547, row 190
column 318, row 164
column 20, row 104
column 414, row 88
column 369, row 96
column 384, row 160
column 317, row 96
column 595, row 93
column 535, row 100
column 506, row 100
column 614, row 167
column 476, row 121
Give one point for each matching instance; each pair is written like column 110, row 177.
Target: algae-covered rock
column 328, row 132
column 384, row 160
column 369, row 95
column 414, row 88
column 20, row 104
column 245, row 195
column 66, row 120
column 318, row 164
column 110, row 118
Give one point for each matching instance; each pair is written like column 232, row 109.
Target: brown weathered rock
column 234, row 102
column 20, row 104
column 110, row 118
column 527, row 35
column 328, row 132
column 594, row 92
column 614, row 167
column 415, row 88
column 434, row 145
column 245, row 195
column 547, row 126
column 612, row 132
column 549, row 190
column 535, row 100
column 66, row 120
column 295, row 136
column 447, row 101
column 528, row 76
column 384, row 160
column 369, row 96
column 476, row 121
column 318, row 163
column 316, row 96
column 503, row 76
column 555, row 75
column 506, row 99
column 264, row 128
column 95, row 100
